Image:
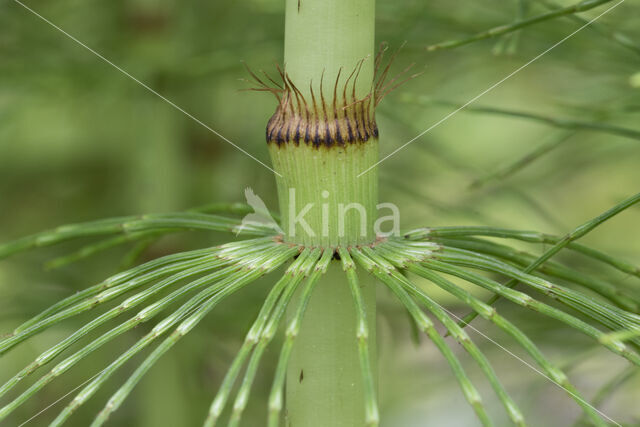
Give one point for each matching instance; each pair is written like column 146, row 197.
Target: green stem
column 325, row 384
column 339, row 206
column 276, row 399
column 322, row 135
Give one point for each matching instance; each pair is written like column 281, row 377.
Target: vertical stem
column 324, row 381
column 322, row 36
column 322, row 135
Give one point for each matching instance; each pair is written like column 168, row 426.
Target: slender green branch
column 392, row 275
column 550, row 268
column 565, row 241
column 525, row 236
column 231, row 208
column 426, row 325
column 124, row 282
column 115, row 280
column 601, row 311
column 228, row 275
column 509, row 43
column 372, row 417
column 524, row 300
column 623, row 335
column 276, row 395
column 70, row 361
column 618, row 37
column 489, row 313
column 103, row 245
column 293, row 275
column 116, row 400
column 228, row 251
column 202, row 303
column 143, row 315
column 221, row 207
column 504, row 29
column 147, row 236
column 298, row 271
column 130, row 224
column 186, row 269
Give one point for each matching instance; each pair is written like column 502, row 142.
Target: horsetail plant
column 322, row 136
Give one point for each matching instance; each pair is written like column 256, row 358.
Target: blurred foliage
column 80, row 140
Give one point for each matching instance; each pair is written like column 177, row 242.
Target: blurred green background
column 79, row 141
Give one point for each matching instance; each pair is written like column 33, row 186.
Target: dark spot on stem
column 301, row 375
column 350, row 131
column 338, row 134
